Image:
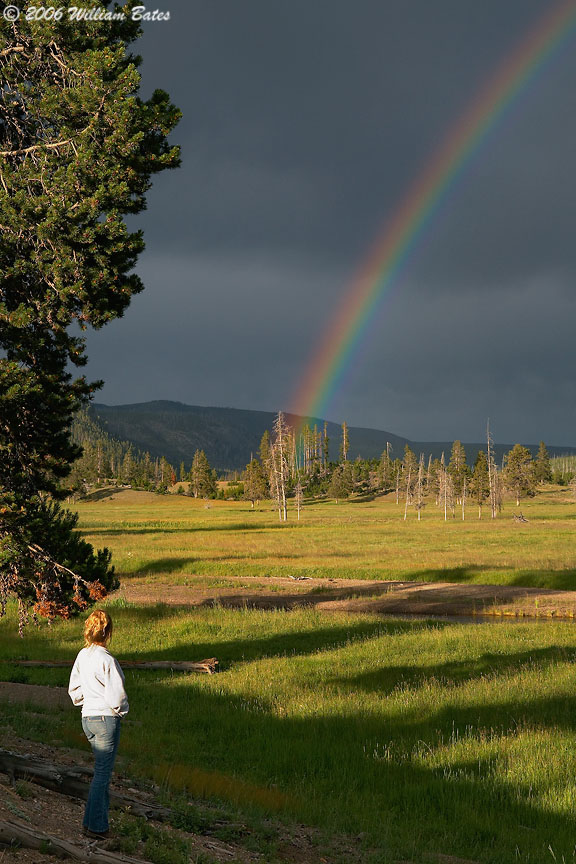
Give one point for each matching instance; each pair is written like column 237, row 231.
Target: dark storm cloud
column 233, row 320
column 303, row 125
column 446, row 363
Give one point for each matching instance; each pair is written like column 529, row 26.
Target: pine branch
column 44, row 556
column 14, row 49
column 54, row 145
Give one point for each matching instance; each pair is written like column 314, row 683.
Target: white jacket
column 97, row 683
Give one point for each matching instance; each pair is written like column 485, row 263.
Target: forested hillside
column 105, row 459
column 229, row 436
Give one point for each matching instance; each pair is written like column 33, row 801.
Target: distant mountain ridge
column 229, row 436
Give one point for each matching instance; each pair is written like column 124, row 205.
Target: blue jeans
column 103, row 734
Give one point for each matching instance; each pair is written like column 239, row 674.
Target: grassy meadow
column 172, row 538
column 418, row 738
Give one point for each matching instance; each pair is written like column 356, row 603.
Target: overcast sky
column 304, row 123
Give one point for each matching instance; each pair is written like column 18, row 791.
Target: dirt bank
column 360, row 595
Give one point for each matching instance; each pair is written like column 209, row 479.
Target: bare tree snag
column 70, row 781
column 279, row 465
column 16, row 834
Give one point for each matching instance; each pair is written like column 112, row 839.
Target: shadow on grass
column 160, row 565
column 557, row 580
column 467, row 573
column 341, row 771
column 364, row 770
column 285, row 600
column 176, row 565
column 546, row 581
column 99, row 495
column 389, row 678
column 290, row 644
column 552, row 580
column 191, row 529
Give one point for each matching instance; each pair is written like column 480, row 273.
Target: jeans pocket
column 95, row 729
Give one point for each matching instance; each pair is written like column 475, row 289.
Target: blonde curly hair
column 97, row 628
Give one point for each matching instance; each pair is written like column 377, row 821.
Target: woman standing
column 97, row 684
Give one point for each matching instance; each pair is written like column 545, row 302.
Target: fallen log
column 68, row 781
column 16, row 834
column 208, row 666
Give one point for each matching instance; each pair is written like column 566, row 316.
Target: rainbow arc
column 400, row 238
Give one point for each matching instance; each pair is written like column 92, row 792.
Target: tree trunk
column 208, row 666
column 15, row 834
column 68, row 781
column 407, row 493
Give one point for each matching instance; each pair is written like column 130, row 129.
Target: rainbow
column 399, row 239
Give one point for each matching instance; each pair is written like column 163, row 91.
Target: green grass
column 177, row 538
column 426, row 737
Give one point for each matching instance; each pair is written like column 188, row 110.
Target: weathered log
column 16, row 834
column 68, row 781
column 208, row 666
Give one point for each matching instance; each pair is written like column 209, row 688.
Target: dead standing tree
column 279, row 464
column 445, row 489
column 493, row 476
column 408, row 491
column 298, row 498
column 345, row 445
column 419, row 492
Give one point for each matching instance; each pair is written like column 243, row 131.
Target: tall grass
column 424, row 737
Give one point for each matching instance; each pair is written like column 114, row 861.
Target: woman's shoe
column 97, row 835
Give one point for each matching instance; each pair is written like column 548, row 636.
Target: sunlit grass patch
column 176, row 538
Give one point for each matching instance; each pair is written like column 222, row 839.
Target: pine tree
column 386, row 470
column 78, row 148
column 457, row 468
column 202, row 483
column 147, row 470
column 342, row 482
column 127, row 475
column 434, row 474
column 542, row 465
column 518, row 472
column 445, row 489
column 264, row 450
column 480, row 482
column 255, row 483
column 409, row 472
